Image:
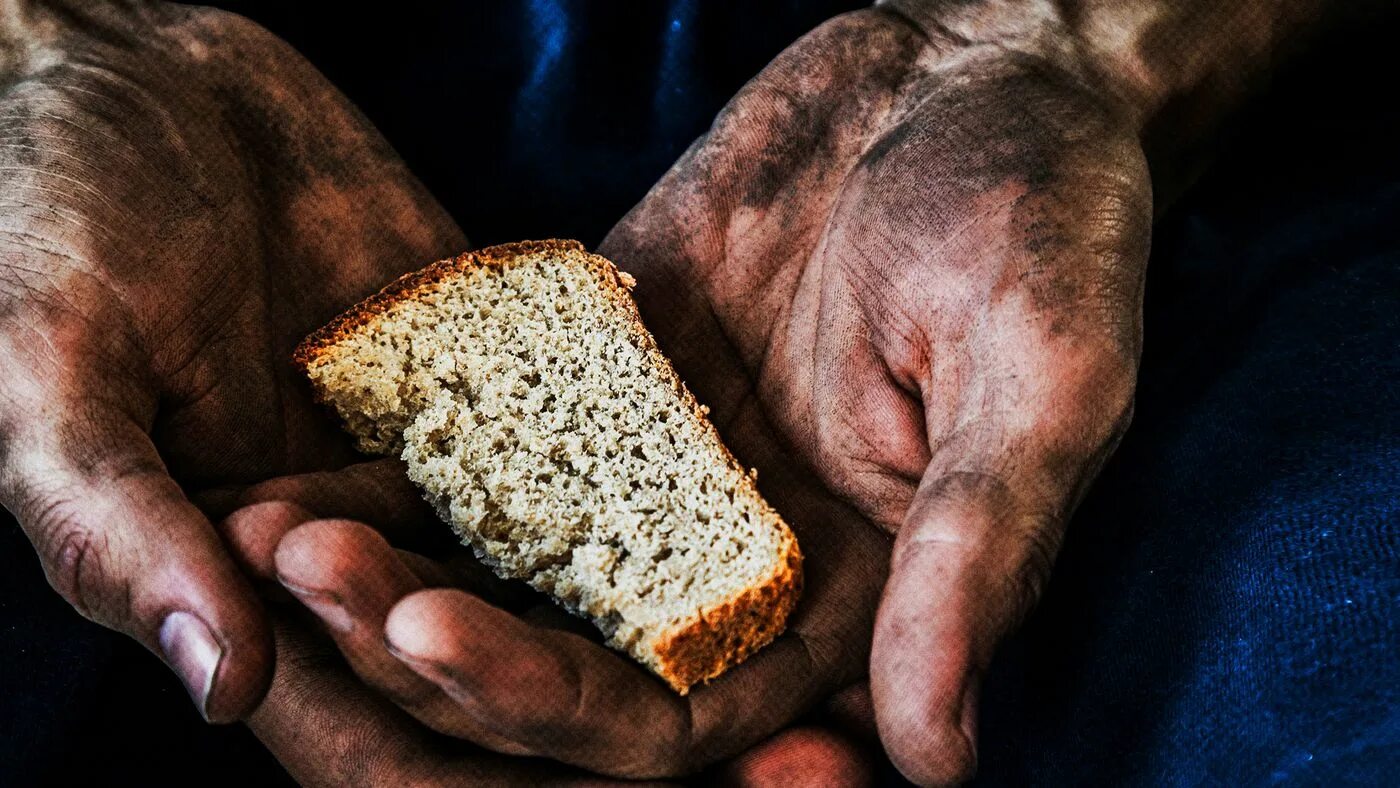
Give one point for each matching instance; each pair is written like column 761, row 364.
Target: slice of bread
column 538, row 416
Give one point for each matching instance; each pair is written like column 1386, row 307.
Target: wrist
column 1173, row 70
column 1147, row 54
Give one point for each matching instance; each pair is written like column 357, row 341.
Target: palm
column 923, row 266
column 219, row 223
column 184, row 198
column 946, row 239
column 876, row 273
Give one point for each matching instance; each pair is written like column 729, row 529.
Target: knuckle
column 75, row 559
column 672, row 756
column 403, row 774
column 1086, row 395
column 1125, row 414
column 1036, row 541
column 1111, row 390
column 198, row 26
column 361, row 760
column 659, row 760
column 569, row 718
column 962, row 487
column 1016, row 538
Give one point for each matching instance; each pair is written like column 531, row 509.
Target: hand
column 480, row 659
column 184, row 198
column 328, row 728
column 919, row 269
column 919, row 257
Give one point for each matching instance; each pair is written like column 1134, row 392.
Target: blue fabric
column 1225, row 608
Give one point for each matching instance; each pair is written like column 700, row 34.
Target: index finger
column 562, row 696
column 565, row 697
column 326, row 728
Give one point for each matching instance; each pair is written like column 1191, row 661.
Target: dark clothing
column 1226, row 605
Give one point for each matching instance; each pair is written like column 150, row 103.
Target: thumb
column 120, row 541
column 969, row 562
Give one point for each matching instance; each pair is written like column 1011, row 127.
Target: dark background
column 1225, row 606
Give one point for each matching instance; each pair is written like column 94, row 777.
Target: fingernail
column 324, row 604
column 194, row 653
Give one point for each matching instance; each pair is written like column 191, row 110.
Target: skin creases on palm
column 185, row 197
column 885, row 258
column 913, row 266
column 190, row 198
column 905, row 254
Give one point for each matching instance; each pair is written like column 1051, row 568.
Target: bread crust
column 414, row 284
column 718, row 637
column 725, row 635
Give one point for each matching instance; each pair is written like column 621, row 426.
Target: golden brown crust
column 412, row 285
column 719, row 637
column 727, row 634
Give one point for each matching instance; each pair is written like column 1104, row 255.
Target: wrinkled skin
column 401, row 620
column 185, row 199
column 904, row 269
column 922, row 261
column 899, row 270
column 331, row 730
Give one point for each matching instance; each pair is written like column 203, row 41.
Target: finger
column 800, row 757
column 327, row 729
column 559, row 695
column 852, row 712
column 527, row 685
column 254, row 532
column 120, row 541
column 968, row 564
column 981, row 535
column 346, row 574
column 377, row 492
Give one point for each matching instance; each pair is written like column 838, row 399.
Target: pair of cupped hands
column 903, row 269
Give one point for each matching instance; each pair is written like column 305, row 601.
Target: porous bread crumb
column 534, row 410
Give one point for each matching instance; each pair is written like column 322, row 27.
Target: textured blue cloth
column 1225, row 608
